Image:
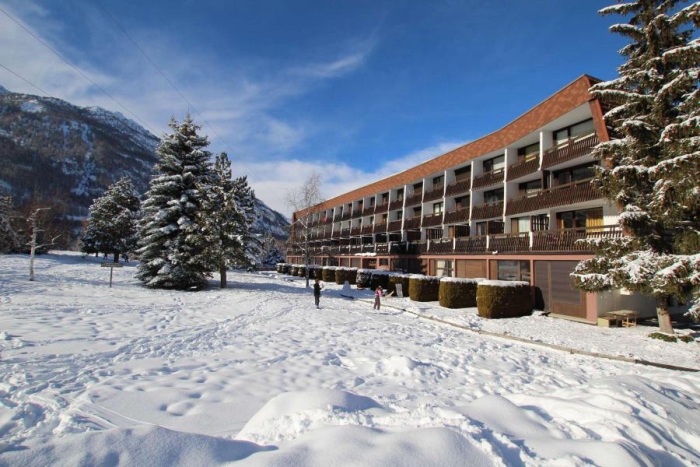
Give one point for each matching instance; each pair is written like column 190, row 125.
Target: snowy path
column 78, row 356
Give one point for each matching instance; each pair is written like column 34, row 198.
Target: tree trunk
column 32, row 253
column 222, row 273
column 664, row 315
column 116, row 257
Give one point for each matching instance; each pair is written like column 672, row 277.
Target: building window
column 371, row 201
column 384, row 261
column 437, row 208
column 463, row 174
column 580, row 219
column 433, row 234
column 443, row 268
column 399, row 215
column 513, row 270
column 399, row 195
column 458, row 231
column 384, row 218
column 493, row 196
column 528, row 188
column 529, row 152
column 417, row 211
column 496, row 163
column 520, row 225
column 576, row 131
column 574, row 174
column 438, row 182
column 371, row 220
column 418, row 187
column 385, row 198
column 539, row 222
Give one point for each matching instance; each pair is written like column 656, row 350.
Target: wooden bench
column 625, row 318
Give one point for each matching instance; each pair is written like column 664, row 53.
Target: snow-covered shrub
column 280, row 268
column 457, row 292
column 362, row 280
column 301, row 270
column 402, row 279
column 423, row 288
column 287, row 269
column 345, row 274
column 314, row 271
column 379, row 278
column 503, row 299
column 295, row 270
column 329, row 273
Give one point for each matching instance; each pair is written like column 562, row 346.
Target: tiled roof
column 563, row 101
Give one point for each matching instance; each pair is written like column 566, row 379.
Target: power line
column 77, row 70
column 25, row 80
column 162, row 73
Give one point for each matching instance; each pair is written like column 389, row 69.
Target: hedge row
column 402, row 279
column 328, row 274
column 503, row 299
column 343, row 274
column 423, row 288
column 458, row 293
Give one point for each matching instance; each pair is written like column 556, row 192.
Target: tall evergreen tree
column 245, row 199
column 8, row 238
column 172, row 240
column 650, row 168
column 113, row 218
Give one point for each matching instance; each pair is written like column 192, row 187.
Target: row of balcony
column 544, row 241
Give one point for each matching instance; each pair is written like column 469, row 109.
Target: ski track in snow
column 80, row 357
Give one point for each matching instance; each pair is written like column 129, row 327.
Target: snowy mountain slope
column 75, row 153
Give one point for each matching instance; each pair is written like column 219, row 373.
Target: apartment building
column 510, row 206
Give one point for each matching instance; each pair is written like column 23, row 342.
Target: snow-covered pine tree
column 172, row 239
column 8, row 238
column 650, row 167
column 222, row 219
column 270, row 253
column 113, row 219
column 245, row 200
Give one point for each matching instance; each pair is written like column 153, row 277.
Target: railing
column 355, row 248
column 456, row 216
column 368, row 211
column 356, row 213
column 470, row 245
column 432, row 220
column 367, row 229
column 394, row 226
column 368, row 249
column 522, row 168
column 336, row 234
column 561, row 195
column 345, row 232
column 569, row 151
column 414, row 199
column 568, row 239
column 509, row 242
column 413, row 223
column 380, row 228
column 458, row 188
column 436, row 193
column 397, row 204
column 382, row 248
column 356, row 231
column 487, row 210
column 337, row 218
column 345, row 216
column 441, row 246
column 381, row 208
column 488, row 178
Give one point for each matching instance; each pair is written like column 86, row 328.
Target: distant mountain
column 59, row 149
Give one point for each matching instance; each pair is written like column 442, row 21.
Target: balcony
column 457, row 188
column 345, row 216
column 489, row 178
column 569, row 151
column 327, row 220
column 568, row 239
column 368, row 211
column 394, row 226
column 398, row 204
column 413, row 223
column 561, row 195
column 382, row 249
column 522, row 168
column 487, row 210
column 356, row 213
column 470, row 245
column 381, row 208
column 432, row 220
column 367, row 229
column 456, row 216
column 509, row 242
column 436, row 193
column 380, row 228
column 414, row 199
column 345, row 232
column 336, row 234
column 356, row 231
column 337, row 218
column 368, row 249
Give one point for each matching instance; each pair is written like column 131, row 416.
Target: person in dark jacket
column 318, row 286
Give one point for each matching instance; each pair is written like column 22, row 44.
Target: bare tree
column 302, row 200
column 35, row 230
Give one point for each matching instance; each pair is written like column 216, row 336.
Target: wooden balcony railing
column 367, row 229
column 345, row 216
column 336, row 234
column 569, row 151
column 568, row 239
column 381, row 249
column 457, row 188
column 380, row 228
column 522, row 168
column 368, row 249
column 356, row 231
column 487, row 210
column 327, row 220
column 356, row 213
column 345, row 232
column 414, row 199
column 441, row 246
column 509, row 242
column 470, row 245
column 413, row 223
column 561, row 195
column 397, row 204
column 488, row 178
column 431, row 220
column 381, row 208
column 337, row 218
column 394, row 226
column 368, row 211
column 436, row 193
column 456, row 216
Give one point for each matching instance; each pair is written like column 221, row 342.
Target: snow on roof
column 495, row 283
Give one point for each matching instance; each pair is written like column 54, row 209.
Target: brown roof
column 563, row 101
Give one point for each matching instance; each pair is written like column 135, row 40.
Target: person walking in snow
column 377, row 297
column 318, row 286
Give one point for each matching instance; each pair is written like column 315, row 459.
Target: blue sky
column 357, row 90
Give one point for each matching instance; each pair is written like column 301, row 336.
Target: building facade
column 508, row 206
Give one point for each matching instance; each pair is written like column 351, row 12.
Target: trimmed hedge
column 287, row 269
column 328, row 274
column 363, row 278
column 312, row 271
column 502, row 299
column 295, row 270
column 280, row 268
column 424, row 288
column 301, row 271
column 379, row 278
column 343, row 274
column 458, row 293
column 402, row 279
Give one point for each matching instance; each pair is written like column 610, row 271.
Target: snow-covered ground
column 255, row 374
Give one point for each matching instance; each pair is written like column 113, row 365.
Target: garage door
column 471, row 268
column 554, row 291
